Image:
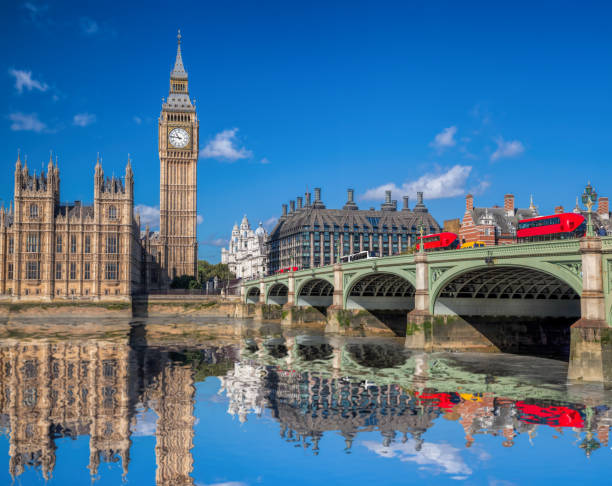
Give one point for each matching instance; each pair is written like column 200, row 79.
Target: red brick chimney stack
column 603, row 209
column 509, row 204
column 469, row 202
column 559, row 210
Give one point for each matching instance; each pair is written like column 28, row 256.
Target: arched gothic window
column 33, row 211
column 112, row 212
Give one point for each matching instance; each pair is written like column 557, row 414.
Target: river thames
column 237, row 403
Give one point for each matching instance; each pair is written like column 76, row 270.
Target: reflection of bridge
column 434, row 292
column 309, row 402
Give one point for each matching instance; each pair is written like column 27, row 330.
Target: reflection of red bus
column 445, row 401
column 552, row 416
column 288, row 269
column 440, row 241
column 554, row 227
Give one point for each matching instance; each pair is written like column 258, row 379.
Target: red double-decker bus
column 439, row 241
column 288, row 269
column 555, row 227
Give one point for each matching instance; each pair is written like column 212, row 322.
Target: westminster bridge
column 472, row 299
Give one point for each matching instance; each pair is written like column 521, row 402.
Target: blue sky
column 447, row 97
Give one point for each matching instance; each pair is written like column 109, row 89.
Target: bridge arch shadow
column 252, row 296
column 382, row 296
column 514, row 309
column 278, row 294
column 317, row 293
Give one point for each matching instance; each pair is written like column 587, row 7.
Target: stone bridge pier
column 591, row 335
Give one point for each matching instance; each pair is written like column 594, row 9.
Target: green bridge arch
column 440, row 278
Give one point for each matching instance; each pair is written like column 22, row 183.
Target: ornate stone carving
column 436, row 273
column 347, row 278
column 573, row 267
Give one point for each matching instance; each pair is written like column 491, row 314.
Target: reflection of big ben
column 178, row 157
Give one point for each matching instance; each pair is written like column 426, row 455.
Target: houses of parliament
column 50, row 250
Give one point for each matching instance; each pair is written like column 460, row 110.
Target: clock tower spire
column 178, row 142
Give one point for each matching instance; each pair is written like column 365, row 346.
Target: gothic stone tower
column 178, row 157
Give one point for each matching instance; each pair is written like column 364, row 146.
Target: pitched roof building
column 493, row 225
column 310, row 235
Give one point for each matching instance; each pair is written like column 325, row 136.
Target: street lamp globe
column 589, row 198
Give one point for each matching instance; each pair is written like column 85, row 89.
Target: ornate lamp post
column 589, row 198
column 422, row 233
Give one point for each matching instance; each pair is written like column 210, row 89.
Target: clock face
column 178, row 137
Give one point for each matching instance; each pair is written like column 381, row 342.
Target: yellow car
column 473, row 244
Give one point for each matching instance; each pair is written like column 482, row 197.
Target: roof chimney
column 469, row 202
column 350, row 203
column 318, row 204
column 406, row 203
column 284, row 211
column 603, row 209
column 299, row 202
column 559, row 210
column 292, row 206
column 509, row 204
column 420, row 206
column 388, row 204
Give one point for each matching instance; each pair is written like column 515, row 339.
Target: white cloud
column 445, row 139
column 88, row 26
column 83, row 119
column 506, row 149
column 149, row 215
column 146, row 424
column 270, row 223
column 265, row 161
column 137, row 120
column 35, row 11
column 199, row 219
column 433, row 185
column 443, row 457
column 479, row 188
column 212, row 241
column 26, row 122
column 23, row 79
column 225, row 147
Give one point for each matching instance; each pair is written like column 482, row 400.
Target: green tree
column 185, row 282
column 206, row 271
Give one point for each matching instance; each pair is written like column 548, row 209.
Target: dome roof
column 260, row 231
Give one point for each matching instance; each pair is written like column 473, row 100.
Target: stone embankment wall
column 65, row 309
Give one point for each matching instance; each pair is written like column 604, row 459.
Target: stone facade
column 51, row 250
column 173, row 251
column 310, row 235
column 494, row 225
column 246, row 255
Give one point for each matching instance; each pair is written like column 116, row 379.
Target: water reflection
column 311, row 386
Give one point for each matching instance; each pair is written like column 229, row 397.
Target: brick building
column 493, row 225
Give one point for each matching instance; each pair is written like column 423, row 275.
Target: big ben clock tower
column 178, row 160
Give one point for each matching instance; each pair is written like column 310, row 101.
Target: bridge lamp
column 421, row 228
column 589, row 198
